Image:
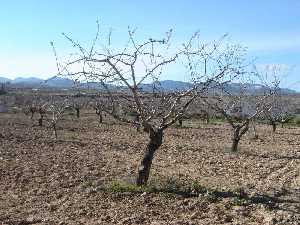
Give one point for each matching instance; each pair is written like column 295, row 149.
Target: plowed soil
column 68, row 181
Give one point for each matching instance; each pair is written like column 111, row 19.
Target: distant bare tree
column 253, row 124
column 42, row 110
column 279, row 108
column 279, row 113
column 35, row 104
column 239, row 108
column 31, row 109
column 99, row 105
column 199, row 110
column 78, row 103
column 99, row 112
column 57, row 109
column 122, row 72
column 30, row 105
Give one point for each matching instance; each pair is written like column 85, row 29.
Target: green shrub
column 121, row 187
column 212, row 196
column 297, row 121
column 196, row 187
column 240, row 201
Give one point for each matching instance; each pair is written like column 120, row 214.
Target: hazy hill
column 59, row 82
column 4, row 80
column 165, row 85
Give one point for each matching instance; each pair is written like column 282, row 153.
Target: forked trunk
column 238, row 132
column 145, row 166
column 234, row 147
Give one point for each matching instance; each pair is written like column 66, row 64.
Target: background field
column 87, row 176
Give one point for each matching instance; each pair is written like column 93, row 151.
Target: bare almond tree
column 123, row 72
column 98, row 105
column 239, row 108
column 278, row 106
column 200, row 111
column 31, row 109
column 279, row 112
column 57, row 109
column 31, row 106
column 42, row 110
column 78, row 103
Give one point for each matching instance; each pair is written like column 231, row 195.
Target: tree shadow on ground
column 286, row 200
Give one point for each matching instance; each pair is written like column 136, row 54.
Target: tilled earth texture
column 87, row 175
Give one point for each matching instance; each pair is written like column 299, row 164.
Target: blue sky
column 270, row 28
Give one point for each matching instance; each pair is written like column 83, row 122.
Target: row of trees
column 208, row 65
column 122, row 71
column 239, row 109
column 233, row 108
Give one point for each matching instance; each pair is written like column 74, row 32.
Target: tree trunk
column 235, row 143
column 138, row 127
column 207, row 119
column 235, row 140
column 274, row 127
column 32, row 114
column 180, row 122
column 77, row 112
column 137, row 123
column 41, row 121
column 54, row 130
column 238, row 132
column 100, row 117
column 255, row 135
column 145, row 166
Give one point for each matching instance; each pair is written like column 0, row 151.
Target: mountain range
column 166, row 85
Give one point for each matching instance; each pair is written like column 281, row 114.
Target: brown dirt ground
column 47, row 182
